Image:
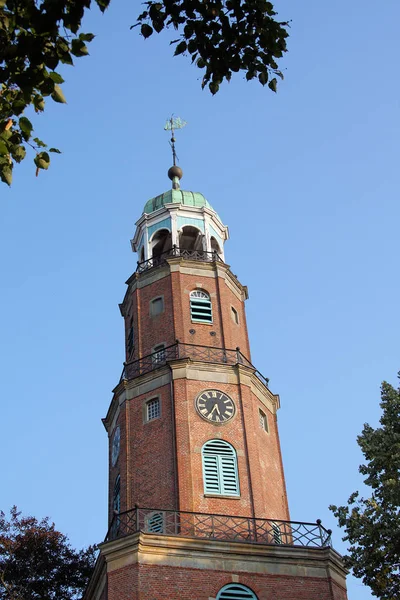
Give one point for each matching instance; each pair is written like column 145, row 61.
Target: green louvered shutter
column 236, row 591
column 200, row 307
column 220, row 469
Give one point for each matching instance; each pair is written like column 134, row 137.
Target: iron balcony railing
column 219, row 527
column 207, row 354
column 161, row 259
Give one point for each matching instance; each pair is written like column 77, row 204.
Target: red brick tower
column 197, row 499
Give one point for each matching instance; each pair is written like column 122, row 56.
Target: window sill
column 146, row 421
column 222, row 496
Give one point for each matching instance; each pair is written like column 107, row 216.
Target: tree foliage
column 222, row 37
column 372, row 525
column 37, row 561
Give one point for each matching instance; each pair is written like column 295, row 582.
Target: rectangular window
column 152, row 409
column 158, row 356
column 235, row 315
column 156, row 306
column 263, row 420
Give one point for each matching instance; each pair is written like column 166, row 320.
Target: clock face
column 115, row 446
column 215, row 406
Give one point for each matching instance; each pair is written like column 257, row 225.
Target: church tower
column 197, row 499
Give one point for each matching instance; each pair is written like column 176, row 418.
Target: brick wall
column 148, row 465
column 257, row 452
column 146, row 461
column 153, row 582
column 175, row 322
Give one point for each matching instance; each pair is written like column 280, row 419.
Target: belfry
column 197, row 499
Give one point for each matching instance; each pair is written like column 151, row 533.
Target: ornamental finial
column 175, row 173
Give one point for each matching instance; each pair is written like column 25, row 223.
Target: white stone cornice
column 232, row 557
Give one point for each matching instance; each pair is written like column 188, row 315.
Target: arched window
column 236, row 591
column 220, row 469
column 200, row 307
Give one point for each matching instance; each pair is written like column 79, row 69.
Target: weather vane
column 172, row 124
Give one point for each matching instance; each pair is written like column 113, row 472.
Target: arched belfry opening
column 161, row 242
column 215, row 247
column 190, row 238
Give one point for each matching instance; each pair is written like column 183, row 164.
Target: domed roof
column 176, row 197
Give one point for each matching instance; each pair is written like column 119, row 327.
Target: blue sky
column 307, row 181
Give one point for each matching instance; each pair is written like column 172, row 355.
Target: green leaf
column 56, row 150
column 6, row 174
column 272, row 84
column 47, row 87
column 19, row 106
column 25, row 126
column 42, row 160
column 15, row 139
column 6, row 134
column 39, row 143
column 58, row 95
column 79, row 48
column 158, row 24
column 38, row 103
column 3, row 147
column 51, row 60
column 263, row 77
column 86, row 37
column 19, row 154
column 56, row 77
column 146, row 30
column 214, row 87
column 102, row 4
column 180, row 48
column 66, row 59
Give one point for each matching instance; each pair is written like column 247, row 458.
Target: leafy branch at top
column 31, row 49
column 37, row 36
column 222, row 36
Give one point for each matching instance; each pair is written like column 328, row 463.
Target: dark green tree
column 222, row 37
column 372, row 525
column 37, row 561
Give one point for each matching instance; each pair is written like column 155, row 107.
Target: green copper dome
column 176, row 197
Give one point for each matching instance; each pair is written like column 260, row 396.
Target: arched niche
column 215, row 247
column 190, row 238
column 160, row 242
